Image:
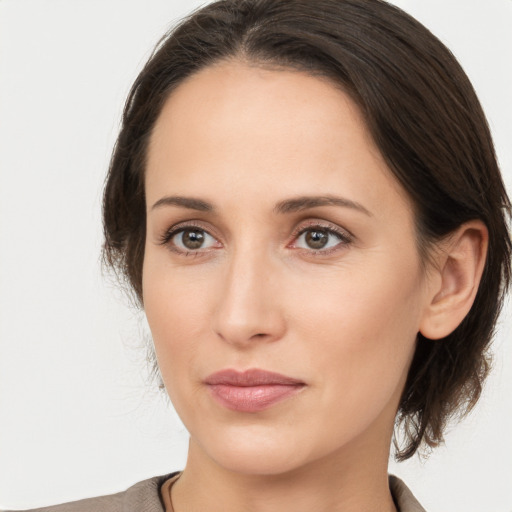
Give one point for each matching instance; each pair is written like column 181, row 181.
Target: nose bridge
column 247, row 307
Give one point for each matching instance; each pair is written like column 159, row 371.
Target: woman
column 305, row 200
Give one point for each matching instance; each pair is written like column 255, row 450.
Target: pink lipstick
column 251, row 391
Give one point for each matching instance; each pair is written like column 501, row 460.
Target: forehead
column 232, row 98
column 232, row 125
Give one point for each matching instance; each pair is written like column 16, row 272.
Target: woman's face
column 277, row 240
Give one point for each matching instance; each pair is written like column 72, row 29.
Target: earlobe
column 460, row 262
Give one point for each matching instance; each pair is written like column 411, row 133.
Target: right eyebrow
column 191, row 203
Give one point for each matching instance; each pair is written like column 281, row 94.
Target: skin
column 342, row 319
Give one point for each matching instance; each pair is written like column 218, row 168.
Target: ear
column 454, row 279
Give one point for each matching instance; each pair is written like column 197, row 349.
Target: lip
column 253, row 390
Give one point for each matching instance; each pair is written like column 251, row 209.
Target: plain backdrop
column 79, row 416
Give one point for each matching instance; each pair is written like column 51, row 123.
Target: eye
column 320, row 238
column 190, row 239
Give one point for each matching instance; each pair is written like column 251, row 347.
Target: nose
column 249, row 307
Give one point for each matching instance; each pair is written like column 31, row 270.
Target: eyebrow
column 306, row 202
column 293, row 205
column 185, row 202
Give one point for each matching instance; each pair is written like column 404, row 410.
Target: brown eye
column 317, row 238
column 192, row 239
column 322, row 239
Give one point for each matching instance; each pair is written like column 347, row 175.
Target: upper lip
column 252, row 377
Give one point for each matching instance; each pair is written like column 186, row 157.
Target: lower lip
column 252, row 398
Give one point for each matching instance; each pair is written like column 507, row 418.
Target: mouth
column 252, row 390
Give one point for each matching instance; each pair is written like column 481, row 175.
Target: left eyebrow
column 298, row 204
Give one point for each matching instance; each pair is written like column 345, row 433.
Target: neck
column 349, row 481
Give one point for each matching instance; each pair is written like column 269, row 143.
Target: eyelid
column 345, row 236
column 324, row 224
column 166, row 237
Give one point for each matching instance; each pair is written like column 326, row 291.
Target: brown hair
column 424, row 117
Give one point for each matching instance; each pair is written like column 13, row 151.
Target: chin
column 258, row 462
column 257, row 451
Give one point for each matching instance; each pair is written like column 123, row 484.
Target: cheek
column 363, row 324
column 173, row 309
column 357, row 334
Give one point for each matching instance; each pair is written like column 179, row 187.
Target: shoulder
column 404, row 498
column 143, row 495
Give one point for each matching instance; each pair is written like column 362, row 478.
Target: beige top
column 153, row 495
column 404, row 499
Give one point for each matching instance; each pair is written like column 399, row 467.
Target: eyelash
column 166, row 238
column 345, row 238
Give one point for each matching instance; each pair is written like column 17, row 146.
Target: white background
column 77, row 415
